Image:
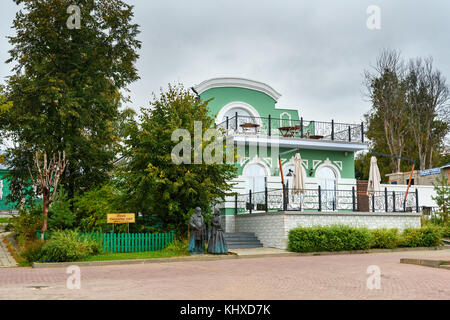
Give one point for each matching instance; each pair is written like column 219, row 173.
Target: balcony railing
column 287, row 128
column 324, row 200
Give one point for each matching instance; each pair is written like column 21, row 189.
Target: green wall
column 263, row 103
column 3, row 203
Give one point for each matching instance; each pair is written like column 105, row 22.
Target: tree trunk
column 45, row 196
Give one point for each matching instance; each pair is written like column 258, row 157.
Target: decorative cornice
column 237, row 83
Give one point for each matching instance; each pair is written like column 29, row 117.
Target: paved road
column 313, row 277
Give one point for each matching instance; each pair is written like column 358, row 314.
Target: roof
column 238, row 83
column 446, row 166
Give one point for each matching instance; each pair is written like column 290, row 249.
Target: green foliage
column 442, row 196
column 66, row 89
column 92, row 207
column 68, row 245
column 180, row 247
column 343, row 238
column 31, row 250
column 428, row 236
column 152, row 183
column 385, row 238
column 333, row 238
column 28, row 221
column 60, row 216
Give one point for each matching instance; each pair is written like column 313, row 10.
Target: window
column 243, row 115
column 327, row 182
column 255, row 178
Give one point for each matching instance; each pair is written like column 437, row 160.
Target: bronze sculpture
column 216, row 242
column 198, row 233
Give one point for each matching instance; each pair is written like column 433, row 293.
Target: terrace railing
column 287, row 128
column 324, row 200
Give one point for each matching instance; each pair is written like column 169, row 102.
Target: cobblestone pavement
column 296, row 277
column 6, row 260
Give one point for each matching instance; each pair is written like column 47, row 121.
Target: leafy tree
column 152, row 182
column 66, row 88
column 442, row 196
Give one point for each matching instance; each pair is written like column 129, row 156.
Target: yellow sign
column 120, row 218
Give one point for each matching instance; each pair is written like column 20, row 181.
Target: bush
column 428, row 236
column 177, row 246
column 60, row 216
column 68, row 245
column 333, row 238
column 93, row 206
column 385, row 238
column 31, row 250
column 28, row 222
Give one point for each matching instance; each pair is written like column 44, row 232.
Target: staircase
column 242, row 240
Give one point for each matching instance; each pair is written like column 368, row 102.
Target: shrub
column 333, row 238
column 60, row 216
column 93, row 206
column 177, row 246
column 31, row 250
column 68, row 245
column 28, row 222
column 428, row 236
column 385, row 238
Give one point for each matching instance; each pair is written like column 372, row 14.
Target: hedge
column 333, row 238
column 345, row 238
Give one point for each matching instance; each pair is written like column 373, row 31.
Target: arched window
column 327, row 181
column 243, row 115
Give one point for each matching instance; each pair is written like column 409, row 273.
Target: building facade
column 263, row 132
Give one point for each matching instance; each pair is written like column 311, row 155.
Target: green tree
column 442, row 196
column 153, row 184
column 67, row 87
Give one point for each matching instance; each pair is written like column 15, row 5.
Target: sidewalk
column 6, row 260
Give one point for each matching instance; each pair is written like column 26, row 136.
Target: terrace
column 321, row 200
column 286, row 128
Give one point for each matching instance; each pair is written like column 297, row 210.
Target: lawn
column 5, row 220
column 176, row 249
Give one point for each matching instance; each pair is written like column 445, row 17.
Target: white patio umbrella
column 298, row 184
column 374, row 178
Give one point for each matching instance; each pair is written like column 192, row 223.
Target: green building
column 263, row 132
column 4, row 190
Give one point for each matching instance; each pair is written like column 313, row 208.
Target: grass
column 5, row 220
column 20, row 261
column 175, row 249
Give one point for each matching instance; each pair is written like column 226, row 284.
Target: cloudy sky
column 312, row 52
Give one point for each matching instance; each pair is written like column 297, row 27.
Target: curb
column 441, row 264
column 39, row 265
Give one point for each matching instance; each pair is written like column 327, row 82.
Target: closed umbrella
column 374, row 178
column 298, row 184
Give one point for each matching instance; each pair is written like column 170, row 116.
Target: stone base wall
column 229, row 222
column 272, row 228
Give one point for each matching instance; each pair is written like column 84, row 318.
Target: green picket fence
column 129, row 242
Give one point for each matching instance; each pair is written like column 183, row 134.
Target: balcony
column 284, row 128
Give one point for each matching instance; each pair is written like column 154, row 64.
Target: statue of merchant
column 198, row 233
column 216, row 242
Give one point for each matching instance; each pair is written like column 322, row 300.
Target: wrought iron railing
column 324, row 200
column 287, row 128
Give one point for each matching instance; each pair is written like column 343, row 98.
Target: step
column 244, row 246
column 243, row 242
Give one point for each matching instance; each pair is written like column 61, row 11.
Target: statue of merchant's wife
column 198, row 233
column 216, row 242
